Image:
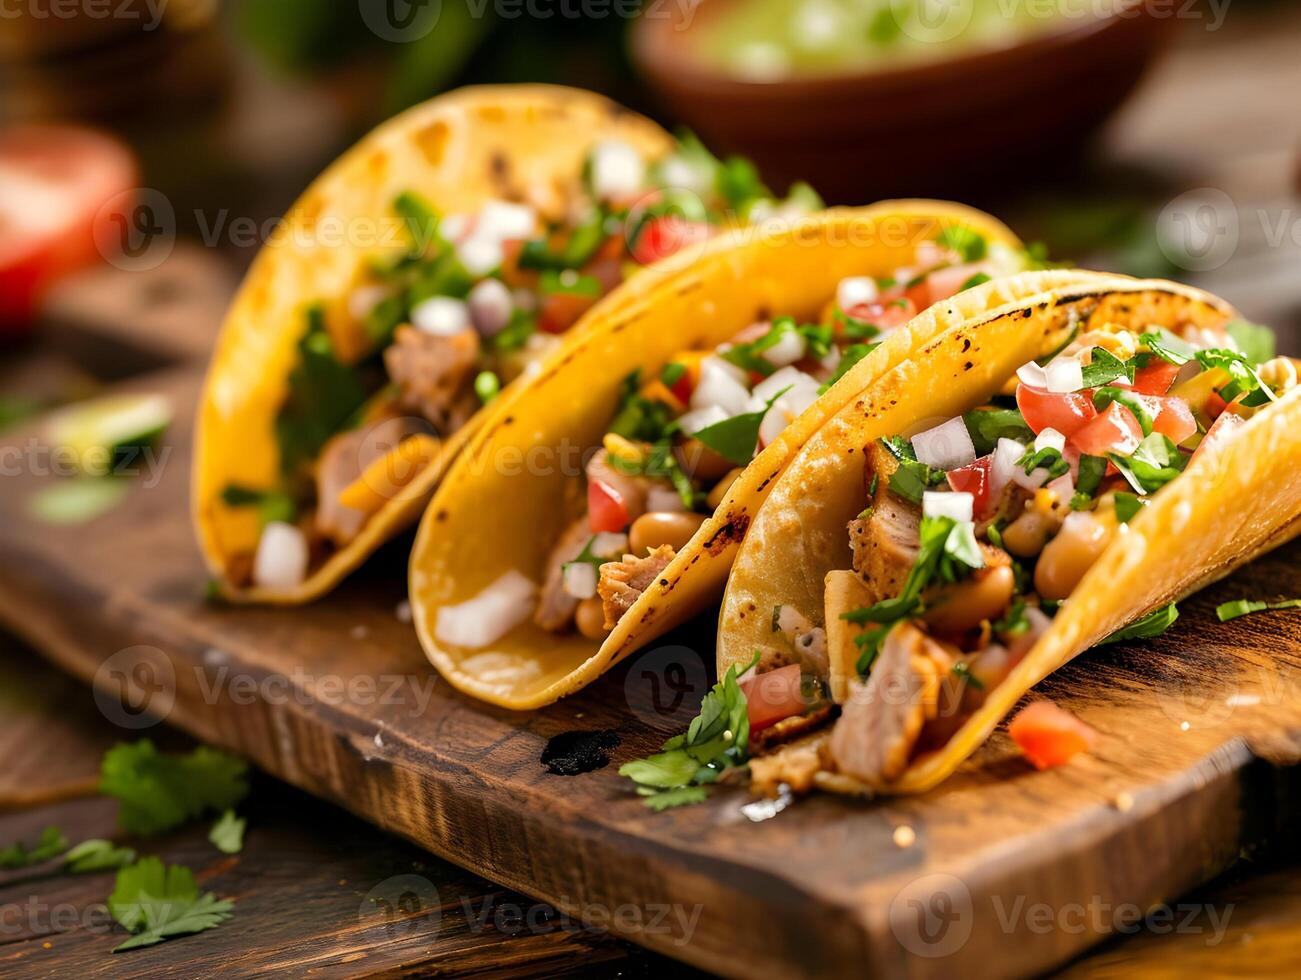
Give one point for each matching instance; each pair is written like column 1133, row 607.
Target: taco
column 602, row 504
column 436, row 261
column 1023, row 486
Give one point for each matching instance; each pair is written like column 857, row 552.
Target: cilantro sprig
column 1153, row 624
column 735, row 439
column 157, row 902
column 1226, row 611
column 48, row 846
column 1152, row 465
column 911, row 478
column 158, row 792
column 749, row 356
column 717, row 739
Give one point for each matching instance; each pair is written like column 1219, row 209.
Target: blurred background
column 1153, row 138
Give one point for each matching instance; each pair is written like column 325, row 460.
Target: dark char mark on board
column 574, row 753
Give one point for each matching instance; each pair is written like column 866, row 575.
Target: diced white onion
column 1032, row 480
column 480, row 254
column 787, row 377
column 1003, row 464
column 609, row 544
column 791, row 622
column 774, row 421
column 713, row 364
column 944, row 503
column 1050, row 438
column 678, row 173
column 1032, row 374
column 664, row 500
column 946, row 446
column 501, row 221
column 454, row 227
column 1064, row 374
column 441, row 316
column 701, row 418
column 616, row 169
column 365, row 298
column 789, row 349
column 281, row 559
column 580, row 579
column 488, row 616
column 720, row 388
column 854, row 290
column 490, row 306
column 1064, row 488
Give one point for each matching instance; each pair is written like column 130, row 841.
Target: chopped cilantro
column 1243, row 379
column 157, row 902
column 487, row 386
column 1050, row 458
column 987, row 425
column 672, row 372
column 718, row 738
column 1255, row 341
column 1088, row 479
column 1152, row 465
column 227, row 834
column 1153, row 624
column 749, row 357
column 854, row 328
column 570, row 283
column 516, row 333
column 1123, row 396
column 661, row 462
column 979, row 279
column 735, row 439
column 97, row 855
column 1014, row 622
column 850, row 356
column 639, row 418
column 1127, row 505
column 421, row 219
column 272, row 505
column 969, row 244
column 1105, row 367
column 961, row 671
column 49, row 845
column 1168, row 347
column 158, row 792
column 1241, row 607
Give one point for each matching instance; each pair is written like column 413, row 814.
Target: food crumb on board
column 403, row 611
column 1184, row 726
column 1124, row 802
column 904, row 836
column 361, row 632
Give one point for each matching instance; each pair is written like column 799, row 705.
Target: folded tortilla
column 1224, row 509
column 458, row 151
column 503, row 505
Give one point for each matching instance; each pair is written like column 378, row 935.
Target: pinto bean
column 702, row 463
column 656, row 528
column 1068, row 556
column 590, row 619
column 960, row 607
column 1026, row 535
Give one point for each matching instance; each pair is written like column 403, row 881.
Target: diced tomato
column 560, row 311
column 886, row 315
column 1175, row 420
column 1222, row 429
column 69, row 203
column 772, row 696
column 1064, row 411
column 974, row 479
column 1114, row 431
column 1156, row 378
column 606, row 510
column 666, row 234
column 1048, row 735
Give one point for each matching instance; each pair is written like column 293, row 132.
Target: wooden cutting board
column 1002, row 870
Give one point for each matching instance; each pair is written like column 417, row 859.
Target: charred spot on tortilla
column 432, row 141
column 968, row 366
column 500, row 165
column 441, row 516
column 731, row 532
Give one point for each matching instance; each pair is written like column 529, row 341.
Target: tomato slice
column 1048, row 735
column 666, row 234
column 974, row 479
column 1156, row 378
column 1219, row 432
column 772, row 696
column 1175, row 420
column 1064, row 411
column 886, row 315
column 62, row 190
column 606, row 510
column 1114, row 431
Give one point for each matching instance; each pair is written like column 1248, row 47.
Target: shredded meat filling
column 435, row 374
column 342, row 463
column 623, row 581
column 883, row 718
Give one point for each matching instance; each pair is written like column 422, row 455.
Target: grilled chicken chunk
column 885, row 541
column 883, row 718
column 434, row 374
column 342, row 463
column 623, row 581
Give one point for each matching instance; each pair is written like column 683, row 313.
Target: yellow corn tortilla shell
column 1226, row 508
column 525, row 142
column 504, row 503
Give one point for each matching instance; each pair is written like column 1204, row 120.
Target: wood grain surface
column 1201, row 731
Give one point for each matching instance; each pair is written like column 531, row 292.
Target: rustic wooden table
column 323, row 894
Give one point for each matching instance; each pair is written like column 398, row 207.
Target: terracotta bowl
column 990, row 117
